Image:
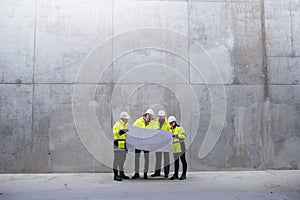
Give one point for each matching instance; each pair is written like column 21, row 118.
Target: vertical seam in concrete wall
column 189, row 36
column 189, row 53
column 33, row 80
column 34, row 43
column 112, row 55
column 112, row 42
column 292, row 31
column 112, row 35
column 264, row 51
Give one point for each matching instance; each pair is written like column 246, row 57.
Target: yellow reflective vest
column 140, row 122
column 178, row 145
column 165, row 125
column 119, row 138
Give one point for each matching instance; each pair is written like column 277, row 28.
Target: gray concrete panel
column 135, row 64
column 230, row 32
column 57, row 145
column 143, row 14
column 285, row 126
column 223, row 156
column 215, row 37
column 15, row 128
column 130, row 15
column 17, row 21
column 295, row 20
column 284, row 70
column 66, row 33
column 278, row 28
column 247, row 54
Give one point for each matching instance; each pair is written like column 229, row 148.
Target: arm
column 116, row 131
column 181, row 134
column 121, row 132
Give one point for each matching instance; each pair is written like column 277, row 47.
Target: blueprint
column 149, row 139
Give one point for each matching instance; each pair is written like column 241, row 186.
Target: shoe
column 174, row 177
column 166, row 176
column 117, row 178
column 145, row 176
column 135, row 176
column 123, row 176
column 183, row 177
column 155, row 175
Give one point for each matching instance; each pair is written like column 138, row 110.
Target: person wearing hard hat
column 146, row 121
column 163, row 124
column 178, row 148
column 120, row 150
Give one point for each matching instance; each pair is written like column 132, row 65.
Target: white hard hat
column 149, row 111
column 171, row 119
column 124, row 115
column 161, row 113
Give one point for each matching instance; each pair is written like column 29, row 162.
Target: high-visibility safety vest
column 178, row 145
column 119, row 138
column 165, row 126
column 140, row 122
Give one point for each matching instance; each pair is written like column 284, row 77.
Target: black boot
column 116, row 177
column 183, row 177
column 166, row 171
column 135, row 176
column 156, row 173
column 175, row 176
column 145, row 175
column 123, row 176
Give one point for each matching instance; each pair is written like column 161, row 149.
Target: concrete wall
column 254, row 44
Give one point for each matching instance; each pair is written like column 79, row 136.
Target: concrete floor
column 201, row 185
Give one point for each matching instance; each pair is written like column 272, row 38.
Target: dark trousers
column 119, row 159
column 158, row 156
column 137, row 160
column 183, row 161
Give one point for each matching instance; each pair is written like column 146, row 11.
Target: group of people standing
column 147, row 121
